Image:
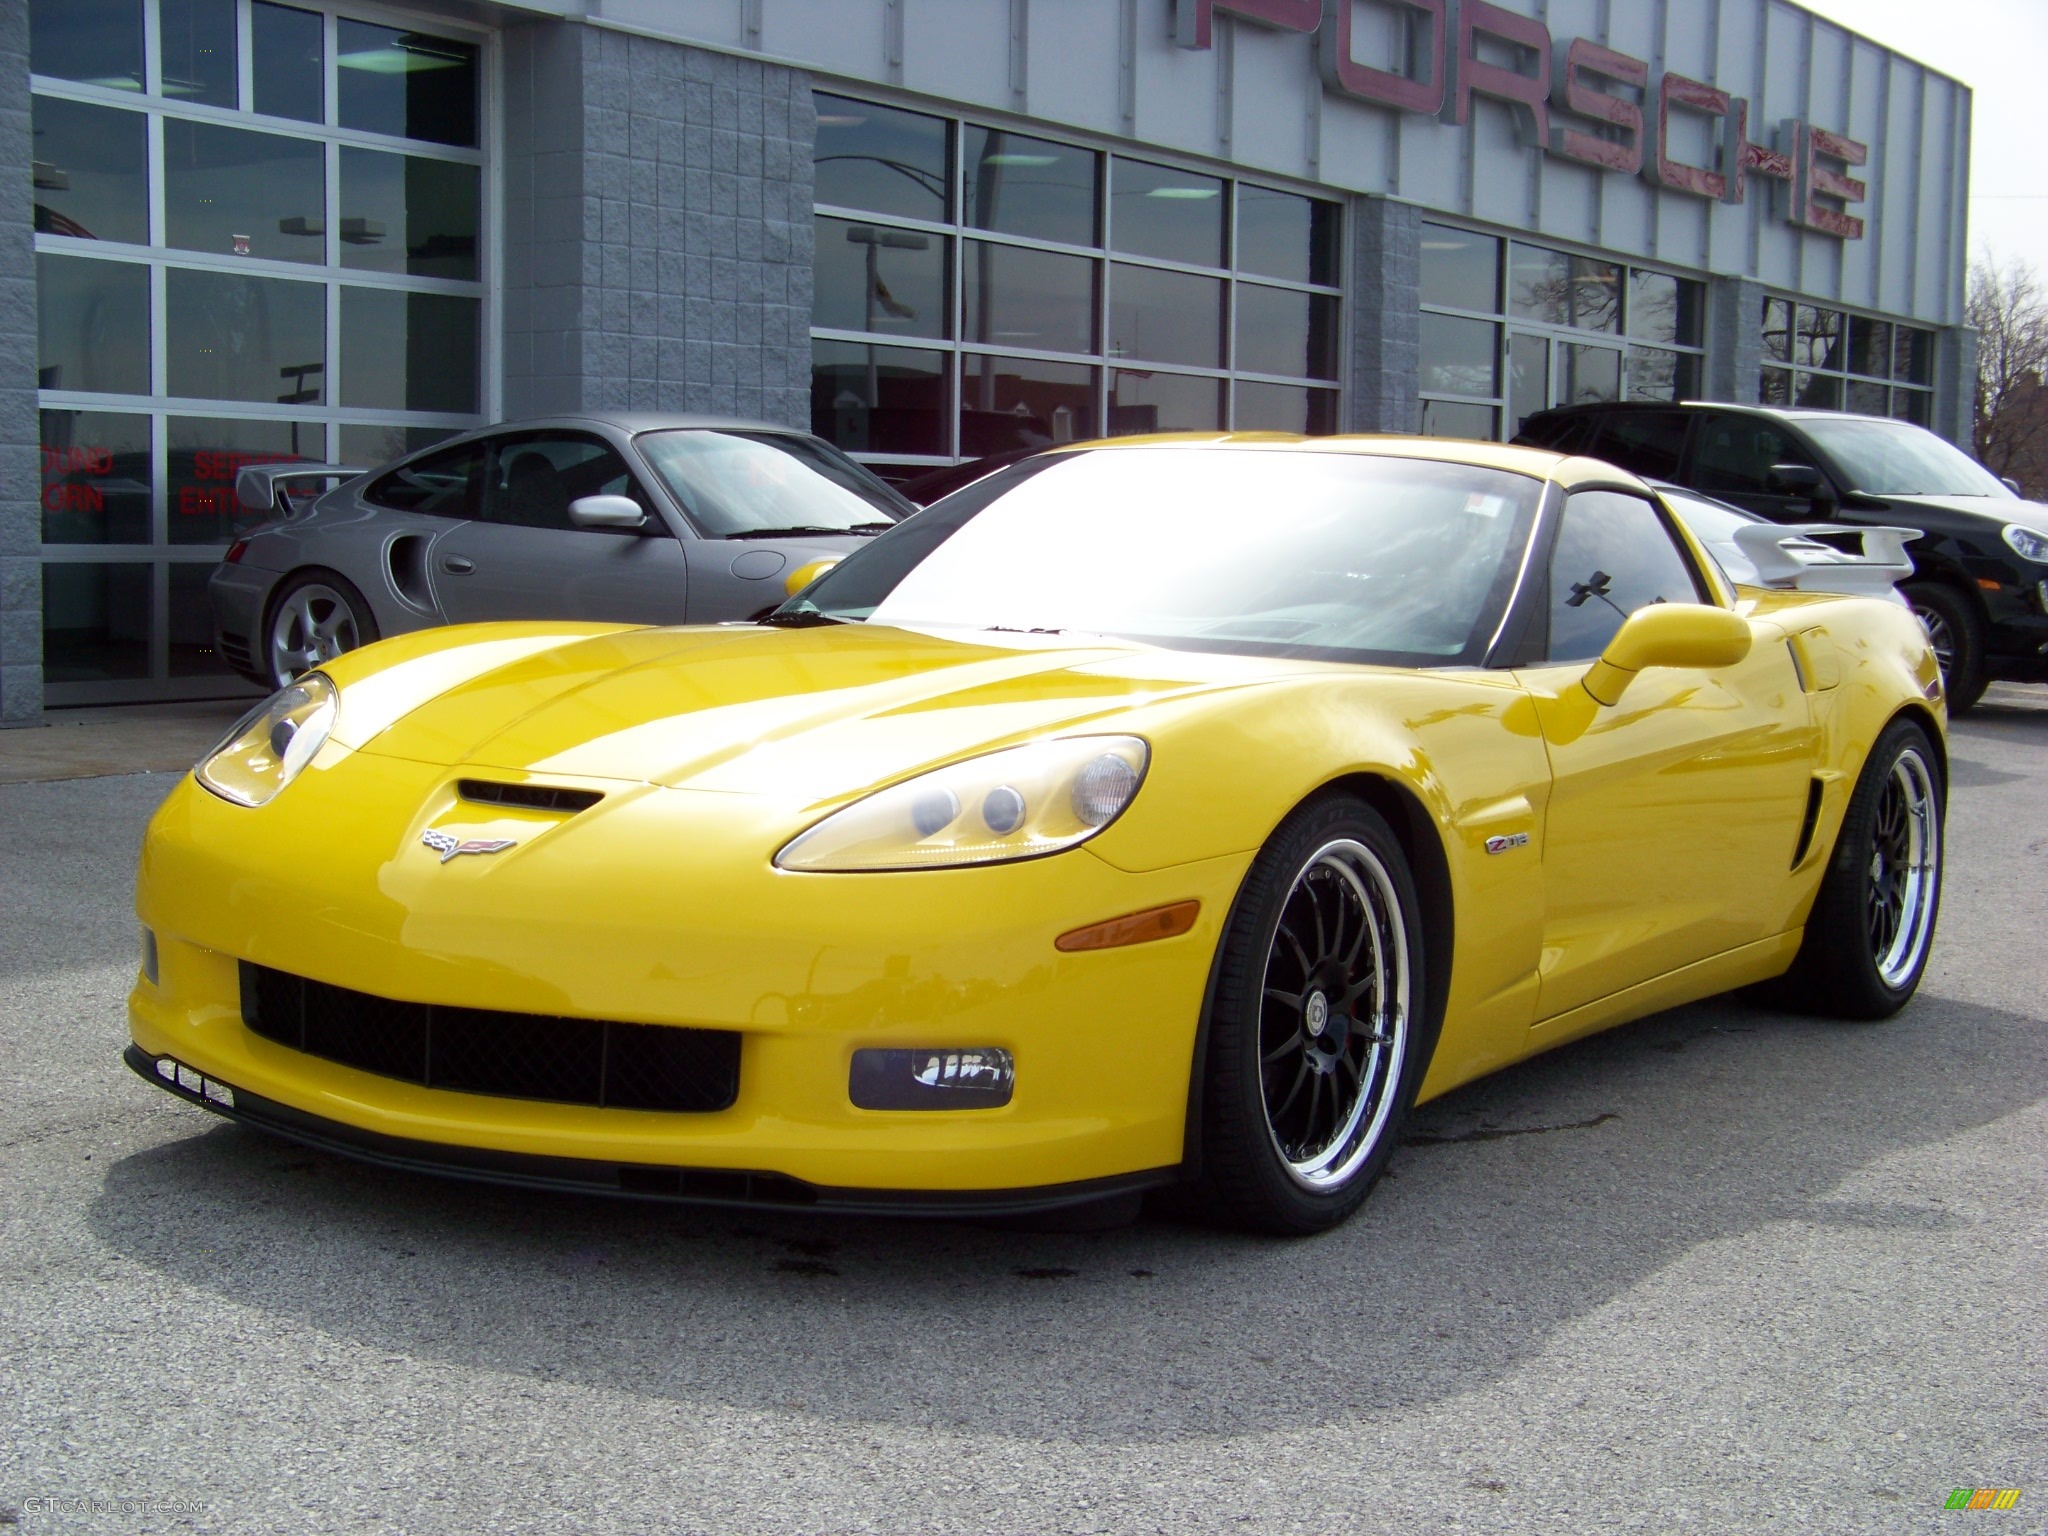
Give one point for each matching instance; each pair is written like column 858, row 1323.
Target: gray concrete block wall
column 1735, row 340
column 21, row 576
column 1386, row 316
column 1955, row 386
column 657, row 227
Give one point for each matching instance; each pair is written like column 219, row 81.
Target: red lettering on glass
column 69, row 496
column 205, row 501
column 1578, row 72
column 1343, row 73
column 1659, row 167
column 1527, row 94
column 1194, row 20
column 78, row 460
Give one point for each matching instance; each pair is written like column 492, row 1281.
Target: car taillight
column 234, row 554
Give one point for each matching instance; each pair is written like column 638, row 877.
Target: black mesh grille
column 510, row 1055
column 539, row 797
column 234, row 650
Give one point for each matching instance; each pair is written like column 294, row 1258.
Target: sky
column 1999, row 48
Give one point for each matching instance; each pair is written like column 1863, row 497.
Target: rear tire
column 1957, row 637
column 315, row 617
column 1316, row 1029
column 1872, row 925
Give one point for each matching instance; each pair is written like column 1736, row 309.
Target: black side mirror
column 1802, row 480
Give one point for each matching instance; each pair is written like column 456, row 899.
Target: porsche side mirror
column 805, row 574
column 606, row 512
column 1667, row 635
column 1801, row 480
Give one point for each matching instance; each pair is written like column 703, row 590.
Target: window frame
column 1903, row 394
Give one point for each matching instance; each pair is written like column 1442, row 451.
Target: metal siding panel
column 847, row 33
column 1073, row 63
column 1270, row 116
column 1176, row 89
column 720, row 23
column 958, row 50
column 1358, row 144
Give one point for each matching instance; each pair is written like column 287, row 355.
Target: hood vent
column 531, row 797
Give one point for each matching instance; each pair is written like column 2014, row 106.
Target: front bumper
column 238, row 594
column 661, row 907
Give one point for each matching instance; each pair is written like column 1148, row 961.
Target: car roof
column 1538, row 463
column 640, row 421
column 1774, row 412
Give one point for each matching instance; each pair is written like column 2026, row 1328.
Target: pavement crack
column 1491, row 1133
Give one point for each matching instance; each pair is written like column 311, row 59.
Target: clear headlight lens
column 1014, row 804
column 2027, row 543
column 270, row 745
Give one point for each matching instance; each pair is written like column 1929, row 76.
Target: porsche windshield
column 1896, row 458
column 1332, row 555
column 737, row 485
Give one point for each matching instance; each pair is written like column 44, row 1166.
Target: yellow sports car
column 1173, row 811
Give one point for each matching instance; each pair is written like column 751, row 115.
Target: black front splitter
column 637, row 1181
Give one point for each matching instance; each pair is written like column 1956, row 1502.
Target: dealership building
column 245, row 230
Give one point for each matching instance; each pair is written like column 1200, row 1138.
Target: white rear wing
column 1811, row 556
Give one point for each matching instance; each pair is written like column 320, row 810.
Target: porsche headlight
column 269, row 745
column 1014, row 804
column 2026, row 542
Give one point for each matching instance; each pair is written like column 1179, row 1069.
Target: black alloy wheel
column 1957, row 638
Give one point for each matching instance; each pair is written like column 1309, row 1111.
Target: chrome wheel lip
column 313, row 625
column 1905, row 869
column 1383, row 1030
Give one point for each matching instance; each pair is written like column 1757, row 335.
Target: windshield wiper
column 798, row 530
column 801, row 618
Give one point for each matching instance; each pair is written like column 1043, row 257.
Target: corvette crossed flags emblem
column 448, row 845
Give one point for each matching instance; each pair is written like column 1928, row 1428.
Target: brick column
column 1735, row 340
column 1955, row 386
column 21, row 575
column 657, row 227
column 1386, row 316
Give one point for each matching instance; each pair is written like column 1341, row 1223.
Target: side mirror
column 805, row 574
column 2012, row 485
column 1667, row 635
column 1801, row 480
column 606, row 512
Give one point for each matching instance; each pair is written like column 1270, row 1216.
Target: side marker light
column 1168, row 922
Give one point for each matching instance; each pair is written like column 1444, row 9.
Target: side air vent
column 407, row 556
column 1807, row 825
column 532, row 797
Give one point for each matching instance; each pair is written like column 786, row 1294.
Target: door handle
column 460, row 565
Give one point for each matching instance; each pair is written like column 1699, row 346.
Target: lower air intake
column 509, row 1055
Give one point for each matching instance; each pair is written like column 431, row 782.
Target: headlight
column 270, row 744
column 2027, row 543
column 1015, row 804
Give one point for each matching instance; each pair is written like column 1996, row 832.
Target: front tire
column 1958, row 641
column 1872, row 925
column 315, row 616
column 1315, row 1037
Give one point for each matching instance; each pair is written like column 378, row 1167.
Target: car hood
column 1990, row 509
column 808, row 714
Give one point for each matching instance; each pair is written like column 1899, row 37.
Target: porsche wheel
column 1957, row 639
column 1313, row 1043
column 1872, row 924
column 315, row 617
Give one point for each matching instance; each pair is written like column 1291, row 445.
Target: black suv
column 1980, row 570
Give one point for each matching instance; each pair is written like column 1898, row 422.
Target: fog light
column 149, row 964
column 949, row 1078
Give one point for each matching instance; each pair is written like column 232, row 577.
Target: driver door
column 1674, row 814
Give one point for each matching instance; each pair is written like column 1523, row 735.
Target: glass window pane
column 1911, row 405
column 409, row 351
column 1282, row 235
column 1284, row 408
column 1871, row 399
column 1008, row 402
column 1165, row 317
column 1460, row 357
column 1163, row 402
column 1912, row 355
column 881, row 159
column 1819, row 391
column 198, row 41
column 369, row 447
column 92, row 323
column 234, row 192
column 233, row 337
column 289, row 62
column 1870, row 348
column 1158, row 211
column 1775, row 387
column 1819, row 342
column 1665, row 309
column 1528, row 378
column 1563, row 290
column 403, row 213
column 1024, row 186
column 442, row 484
column 1024, row 298
column 1648, row 443
column 1460, row 269
column 205, row 454
column 1613, row 556
column 1281, row 330
column 1448, row 418
column 868, row 399
column 91, row 171
column 409, row 84
column 531, row 478
column 868, row 277
column 1654, row 374
column 96, row 41
column 96, row 622
column 1733, row 455
column 96, row 474
column 191, row 623
column 1777, row 331
column 1590, row 374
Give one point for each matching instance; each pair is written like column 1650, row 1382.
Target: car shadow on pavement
column 1518, row 1205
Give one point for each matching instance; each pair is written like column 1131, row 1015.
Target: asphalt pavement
column 1724, row 1270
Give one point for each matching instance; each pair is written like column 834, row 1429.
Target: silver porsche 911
column 646, row 519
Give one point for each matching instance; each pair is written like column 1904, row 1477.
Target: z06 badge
column 1506, row 841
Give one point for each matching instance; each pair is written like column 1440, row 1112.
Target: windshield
column 1714, row 526
column 1896, row 458
column 733, row 484
column 1339, row 556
